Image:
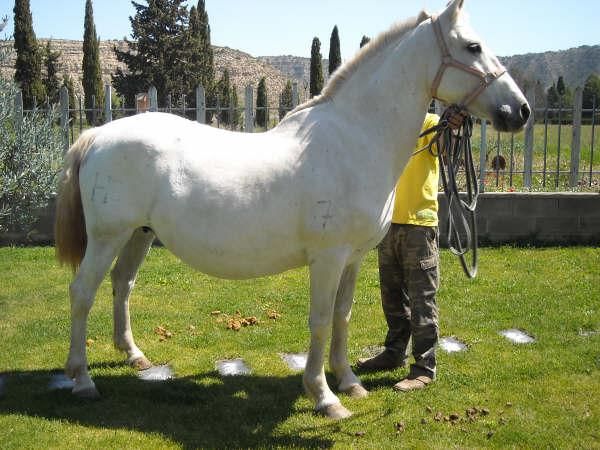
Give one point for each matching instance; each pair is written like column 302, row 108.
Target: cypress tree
column 51, row 81
column 552, row 97
column 201, row 57
column 261, row 103
column 335, row 56
column 92, row 76
column 285, row 100
column 235, row 120
column 224, row 92
column 560, row 86
column 208, row 70
column 316, row 68
column 364, row 41
column 28, row 66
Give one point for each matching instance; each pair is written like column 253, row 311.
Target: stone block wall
column 536, row 219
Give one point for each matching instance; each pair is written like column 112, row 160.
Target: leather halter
column 485, row 78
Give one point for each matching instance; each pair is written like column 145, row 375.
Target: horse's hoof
column 356, row 391
column 90, row 393
column 336, row 411
column 141, row 363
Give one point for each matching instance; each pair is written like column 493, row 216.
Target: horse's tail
column 69, row 225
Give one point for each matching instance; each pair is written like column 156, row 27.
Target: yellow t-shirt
column 417, row 189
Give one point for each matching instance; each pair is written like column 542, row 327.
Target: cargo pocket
column 429, row 262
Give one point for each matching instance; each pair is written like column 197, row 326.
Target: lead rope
column 453, row 141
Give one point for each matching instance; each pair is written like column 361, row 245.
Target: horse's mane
column 346, row 70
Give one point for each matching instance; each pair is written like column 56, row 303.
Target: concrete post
column 153, row 97
column 64, row 116
column 107, row 103
column 200, row 104
column 249, row 110
column 18, row 114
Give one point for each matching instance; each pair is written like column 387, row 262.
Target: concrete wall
column 536, row 219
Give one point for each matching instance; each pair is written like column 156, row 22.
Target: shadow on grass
column 204, row 410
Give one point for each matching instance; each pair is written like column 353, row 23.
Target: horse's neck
column 389, row 95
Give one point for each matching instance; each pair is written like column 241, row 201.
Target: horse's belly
column 237, row 256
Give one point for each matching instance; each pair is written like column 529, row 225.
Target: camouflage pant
column 409, row 279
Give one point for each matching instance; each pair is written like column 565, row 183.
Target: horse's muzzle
column 507, row 118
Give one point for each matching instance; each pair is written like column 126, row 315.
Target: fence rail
column 543, row 157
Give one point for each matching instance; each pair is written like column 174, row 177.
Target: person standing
column 408, row 259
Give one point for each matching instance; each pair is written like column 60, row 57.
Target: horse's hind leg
column 99, row 255
column 123, row 278
column 338, row 355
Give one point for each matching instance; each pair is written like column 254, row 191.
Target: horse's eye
column 474, row 48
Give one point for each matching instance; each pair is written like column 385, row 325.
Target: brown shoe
column 384, row 361
column 412, row 384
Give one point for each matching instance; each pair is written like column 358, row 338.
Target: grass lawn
column 540, row 395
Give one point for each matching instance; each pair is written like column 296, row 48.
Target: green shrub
column 30, row 158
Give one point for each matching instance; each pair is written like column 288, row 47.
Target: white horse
column 316, row 190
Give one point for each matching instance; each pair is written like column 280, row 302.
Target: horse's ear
column 453, row 9
column 423, row 16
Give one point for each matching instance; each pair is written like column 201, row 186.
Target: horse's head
column 471, row 76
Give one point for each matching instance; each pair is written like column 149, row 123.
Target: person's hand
column 456, row 118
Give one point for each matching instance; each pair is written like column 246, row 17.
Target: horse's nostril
column 525, row 111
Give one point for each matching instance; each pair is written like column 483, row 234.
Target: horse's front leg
column 325, row 271
column 348, row 382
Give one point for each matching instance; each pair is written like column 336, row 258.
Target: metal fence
column 555, row 152
column 232, row 117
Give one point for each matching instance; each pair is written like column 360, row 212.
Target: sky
column 286, row 27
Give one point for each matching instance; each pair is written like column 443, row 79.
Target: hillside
column 243, row 68
column 575, row 65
